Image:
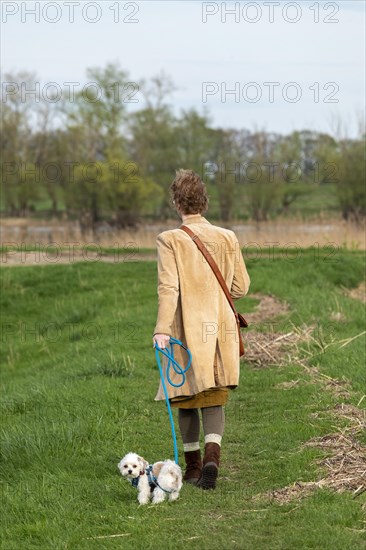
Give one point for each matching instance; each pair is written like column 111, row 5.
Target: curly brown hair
column 188, row 193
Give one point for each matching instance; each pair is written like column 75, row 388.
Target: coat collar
column 197, row 218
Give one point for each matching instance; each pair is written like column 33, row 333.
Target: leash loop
column 169, row 354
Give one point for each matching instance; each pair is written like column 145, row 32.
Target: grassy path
column 79, row 379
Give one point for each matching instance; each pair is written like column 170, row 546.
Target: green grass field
column 79, row 380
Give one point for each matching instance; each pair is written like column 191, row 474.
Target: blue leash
column 169, row 354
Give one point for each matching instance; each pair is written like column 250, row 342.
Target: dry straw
column 344, row 466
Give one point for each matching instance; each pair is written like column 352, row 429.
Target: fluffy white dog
column 156, row 480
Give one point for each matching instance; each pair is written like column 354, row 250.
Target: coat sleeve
column 168, row 286
column 241, row 280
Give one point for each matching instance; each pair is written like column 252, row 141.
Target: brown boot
column 210, row 470
column 193, row 466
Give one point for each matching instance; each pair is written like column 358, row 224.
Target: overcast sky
column 310, row 56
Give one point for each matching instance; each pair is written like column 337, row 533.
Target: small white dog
column 156, row 480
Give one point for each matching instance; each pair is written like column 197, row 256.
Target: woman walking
column 193, row 308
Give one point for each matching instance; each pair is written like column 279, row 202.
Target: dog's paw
column 157, row 500
column 158, row 496
column 173, row 496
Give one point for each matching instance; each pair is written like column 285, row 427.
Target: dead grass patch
column 345, row 468
column 354, row 417
column 288, row 385
column 269, row 306
column 314, row 231
column 264, row 349
column 270, row 347
column 337, row 316
column 358, row 293
column 338, row 387
column 345, row 463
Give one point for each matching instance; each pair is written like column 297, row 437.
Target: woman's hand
column 162, row 340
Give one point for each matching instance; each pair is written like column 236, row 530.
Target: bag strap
column 197, row 241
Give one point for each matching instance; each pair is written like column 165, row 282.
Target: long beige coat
column 193, row 307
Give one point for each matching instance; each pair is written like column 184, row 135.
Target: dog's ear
column 143, row 462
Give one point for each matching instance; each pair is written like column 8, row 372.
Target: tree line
column 109, row 152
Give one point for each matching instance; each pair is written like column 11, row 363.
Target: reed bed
column 274, row 234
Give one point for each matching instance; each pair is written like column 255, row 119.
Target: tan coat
column 193, row 307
